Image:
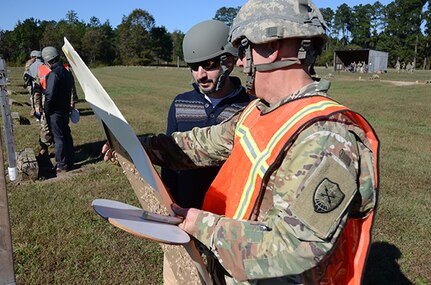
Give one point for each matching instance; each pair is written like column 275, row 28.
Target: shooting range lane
column 130, row 219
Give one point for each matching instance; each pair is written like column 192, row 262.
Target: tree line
column 402, row 28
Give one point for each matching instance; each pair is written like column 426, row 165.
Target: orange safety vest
column 44, row 70
column 260, row 142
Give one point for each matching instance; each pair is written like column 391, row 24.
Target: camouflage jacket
column 281, row 246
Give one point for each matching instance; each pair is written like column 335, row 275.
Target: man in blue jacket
column 59, row 84
column 216, row 96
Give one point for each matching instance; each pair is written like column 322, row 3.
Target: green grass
column 58, row 239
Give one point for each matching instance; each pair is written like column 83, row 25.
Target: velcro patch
column 326, row 196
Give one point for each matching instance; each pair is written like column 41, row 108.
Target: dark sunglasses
column 210, row 64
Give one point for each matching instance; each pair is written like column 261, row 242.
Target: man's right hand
column 108, row 152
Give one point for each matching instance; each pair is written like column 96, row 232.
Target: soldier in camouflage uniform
column 295, row 198
column 28, row 78
column 36, row 96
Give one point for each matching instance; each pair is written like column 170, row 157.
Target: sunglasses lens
column 209, row 64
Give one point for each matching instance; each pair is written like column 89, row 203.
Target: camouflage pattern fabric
column 288, row 243
column 37, row 98
column 45, row 137
column 277, row 20
column 28, row 80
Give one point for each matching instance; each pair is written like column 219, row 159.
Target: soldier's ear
column 273, row 50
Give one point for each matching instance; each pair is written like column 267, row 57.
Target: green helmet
column 49, row 53
column 262, row 21
column 207, row 40
column 36, row 53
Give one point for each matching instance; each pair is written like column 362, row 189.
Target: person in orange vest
column 45, row 137
column 57, row 83
column 295, row 199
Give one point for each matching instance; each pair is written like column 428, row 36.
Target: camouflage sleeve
column 36, row 84
column 208, row 146
column 311, row 194
column 193, row 149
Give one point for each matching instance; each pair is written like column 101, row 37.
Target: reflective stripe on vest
column 259, row 139
column 236, row 197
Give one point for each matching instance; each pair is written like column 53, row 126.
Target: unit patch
column 327, row 196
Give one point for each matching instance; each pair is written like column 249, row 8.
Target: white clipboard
column 114, row 122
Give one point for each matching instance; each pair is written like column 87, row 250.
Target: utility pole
column 7, row 275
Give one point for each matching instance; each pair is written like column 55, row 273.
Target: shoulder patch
column 327, row 196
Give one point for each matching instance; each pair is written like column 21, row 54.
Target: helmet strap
column 249, row 68
column 224, row 73
column 305, row 55
column 277, row 64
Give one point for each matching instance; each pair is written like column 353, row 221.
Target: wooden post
column 7, row 275
column 7, row 123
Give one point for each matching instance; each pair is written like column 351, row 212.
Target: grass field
column 58, row 239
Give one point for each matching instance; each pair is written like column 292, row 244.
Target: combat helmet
column 262, row 21
column 49, row 53
column 36, row 53
column 208, row 40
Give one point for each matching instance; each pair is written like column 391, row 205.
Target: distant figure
column 360, row 67
column 36, row 96
column 403, row 66
column 398, row 66
column 28, row 79
column 409, row 67
column 353, row 66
